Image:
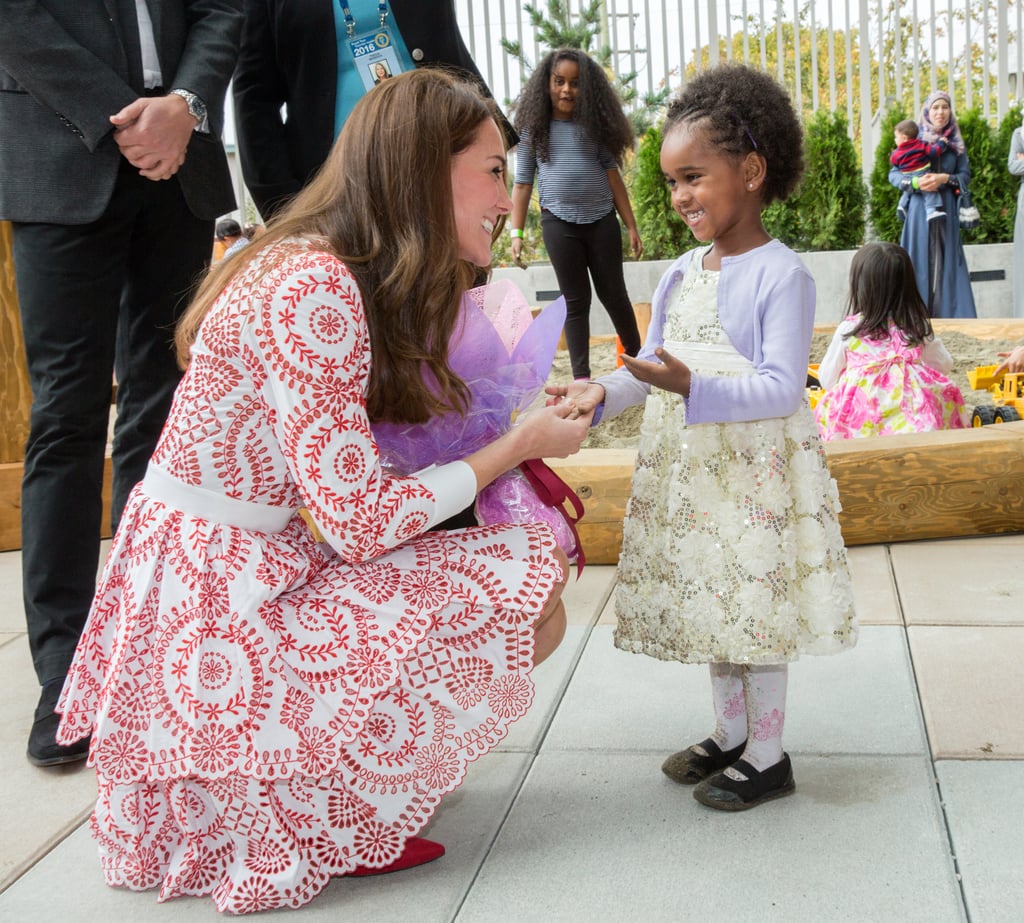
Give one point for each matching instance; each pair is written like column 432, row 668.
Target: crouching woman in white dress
column 266, row 710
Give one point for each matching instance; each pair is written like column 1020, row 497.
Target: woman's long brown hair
column 383, row 201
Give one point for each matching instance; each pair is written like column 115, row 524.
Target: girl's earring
column 750, row 185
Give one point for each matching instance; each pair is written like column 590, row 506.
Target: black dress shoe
column 43, row 749
column 688, row 767
column 727, row 794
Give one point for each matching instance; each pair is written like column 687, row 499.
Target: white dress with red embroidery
column 267, row 711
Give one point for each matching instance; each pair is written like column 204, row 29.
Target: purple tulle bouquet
column 504, row 355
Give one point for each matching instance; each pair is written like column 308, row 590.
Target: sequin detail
column 731, row 544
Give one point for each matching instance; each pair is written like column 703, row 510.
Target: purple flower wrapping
column 504, row 355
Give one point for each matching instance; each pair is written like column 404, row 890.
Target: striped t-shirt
column 572, row 183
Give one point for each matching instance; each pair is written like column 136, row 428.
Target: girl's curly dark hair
column 598, row 107
column 744, row 110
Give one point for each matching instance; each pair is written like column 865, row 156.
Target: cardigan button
column 417, row 54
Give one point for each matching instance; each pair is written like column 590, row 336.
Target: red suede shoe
column 418, row 851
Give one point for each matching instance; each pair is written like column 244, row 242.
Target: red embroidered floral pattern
column 268, row 712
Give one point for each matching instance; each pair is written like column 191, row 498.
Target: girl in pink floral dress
column 885, row 371
column 268, row 711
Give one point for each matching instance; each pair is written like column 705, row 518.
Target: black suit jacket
column 66, row 66
column 289, row 57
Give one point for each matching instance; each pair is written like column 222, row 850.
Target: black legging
column 573, row 249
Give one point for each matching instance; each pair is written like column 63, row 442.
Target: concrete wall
column 831, row 269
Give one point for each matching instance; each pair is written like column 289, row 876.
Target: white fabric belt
column 711, row 357
column 212, row 506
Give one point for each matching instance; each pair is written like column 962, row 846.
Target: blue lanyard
column 350, row 20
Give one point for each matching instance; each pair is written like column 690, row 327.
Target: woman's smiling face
column 479, row 193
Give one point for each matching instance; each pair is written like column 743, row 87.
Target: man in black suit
column 112, row 172
column 290, row 57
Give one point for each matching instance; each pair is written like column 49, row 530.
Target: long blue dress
column 935, row 247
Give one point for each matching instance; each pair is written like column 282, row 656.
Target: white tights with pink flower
column 750, row 703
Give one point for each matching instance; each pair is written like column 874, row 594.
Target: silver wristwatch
column 196, row 108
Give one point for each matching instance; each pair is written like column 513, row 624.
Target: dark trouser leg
column 605, row 260
column 69, row 283
column 72, row 282
column 568, row 252
column 169, row 252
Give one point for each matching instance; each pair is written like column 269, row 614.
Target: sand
column 623, row 431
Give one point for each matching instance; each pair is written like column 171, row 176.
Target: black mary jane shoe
column 726, row 794
column 688, row 767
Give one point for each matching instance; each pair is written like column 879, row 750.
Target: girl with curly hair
column 573, row 136
column 731, row 553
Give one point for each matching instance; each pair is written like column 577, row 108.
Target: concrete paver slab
column 585, row 597
column 971, row 687
column 984, row 802
column 961, row 581
column 597, row 836
column 874, row 589
column 38, row 807
column 620, row 701
column 12, row 609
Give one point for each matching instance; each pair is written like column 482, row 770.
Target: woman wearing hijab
column 933, row 241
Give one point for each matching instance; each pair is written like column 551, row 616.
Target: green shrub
column 782, row 221
column 825, row 213
column 1004, row 207
column 663, row 232
column 883, row 196
column 831, row 197
column 988, row 176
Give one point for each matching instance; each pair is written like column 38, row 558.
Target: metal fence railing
column 860, row 56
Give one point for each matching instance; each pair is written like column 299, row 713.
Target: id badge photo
column 375, row 57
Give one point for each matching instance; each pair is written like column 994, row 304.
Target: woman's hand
column 553, row 431
column 670, row 374
column 931, row 182
column 548, row 432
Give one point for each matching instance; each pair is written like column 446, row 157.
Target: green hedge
column 825, row 213
column 831, row 210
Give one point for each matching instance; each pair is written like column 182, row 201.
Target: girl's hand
column 517, row 252
column 583, row 398
column 669, row 375
column 636, row 245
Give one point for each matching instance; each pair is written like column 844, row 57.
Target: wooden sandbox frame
column 929, row 485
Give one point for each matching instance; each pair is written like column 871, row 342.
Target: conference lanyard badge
column 374, row 51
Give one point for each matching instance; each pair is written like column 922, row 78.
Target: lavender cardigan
column 766, row 306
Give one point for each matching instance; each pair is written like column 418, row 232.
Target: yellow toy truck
column 1007, row 390
column 814, row 388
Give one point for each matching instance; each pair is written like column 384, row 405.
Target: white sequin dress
column 731, row 545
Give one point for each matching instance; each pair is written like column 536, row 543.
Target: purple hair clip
column 750, row 137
